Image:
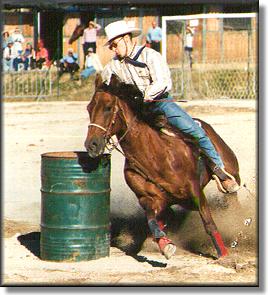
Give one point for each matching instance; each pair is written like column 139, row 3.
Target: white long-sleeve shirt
column 90, row 35
column 18, row 41
column 93, row 61
column 152, row 80
column 9, row 53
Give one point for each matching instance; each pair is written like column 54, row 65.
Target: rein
column 107, row 136
column 114, row 145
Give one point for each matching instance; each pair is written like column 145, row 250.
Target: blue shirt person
column 154, row 36
column 69, row 63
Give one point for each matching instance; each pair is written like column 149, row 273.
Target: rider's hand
column 138, row 100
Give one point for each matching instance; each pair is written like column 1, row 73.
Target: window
column 237, row 24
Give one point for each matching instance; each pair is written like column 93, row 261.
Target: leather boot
column 226, row 182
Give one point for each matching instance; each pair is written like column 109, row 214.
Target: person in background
column 5, row 38
column 29, row 55
column 18, row 40
column 154, row 36
column 42, row 56
column 27, row 58
column 188, row 45
column 9, row 54
column 92, row 64
column 68, row 64
column 19, row 59
column 89, row 38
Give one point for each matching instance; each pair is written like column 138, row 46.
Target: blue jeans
column 87, row 72
column 8, row 65
column 179, row 118
column 18, row 61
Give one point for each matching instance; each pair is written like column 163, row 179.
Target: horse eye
column 107, row 109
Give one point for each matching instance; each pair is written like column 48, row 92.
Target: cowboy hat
column 120, row 28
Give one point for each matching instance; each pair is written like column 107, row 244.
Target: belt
column 162, row 96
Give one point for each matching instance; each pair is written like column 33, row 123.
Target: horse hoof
column 169, row 250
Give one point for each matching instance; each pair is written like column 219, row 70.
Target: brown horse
column 77, row 33
column 85, row 17
column 161, row 170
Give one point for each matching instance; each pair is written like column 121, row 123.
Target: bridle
column 110, row 142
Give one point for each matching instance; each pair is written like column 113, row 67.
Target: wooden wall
column 232, row 44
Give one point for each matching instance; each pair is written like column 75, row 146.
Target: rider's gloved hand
column 138, row 99
column 137, row 102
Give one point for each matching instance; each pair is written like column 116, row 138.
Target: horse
column 77, row 33
column 161, row 170
column 85, row 17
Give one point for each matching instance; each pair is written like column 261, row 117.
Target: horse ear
column 114, row 82
column 98, row 81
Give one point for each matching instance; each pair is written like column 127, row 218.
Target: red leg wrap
column 218, row 243
column 162, row 242
column 161, row 224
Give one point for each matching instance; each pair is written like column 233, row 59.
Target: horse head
column 106, row 115
column 77, row 33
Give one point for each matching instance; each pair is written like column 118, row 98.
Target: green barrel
column 75, row 206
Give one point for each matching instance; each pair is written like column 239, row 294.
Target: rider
column 145, row 68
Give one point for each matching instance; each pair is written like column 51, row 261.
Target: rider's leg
column 179, row 118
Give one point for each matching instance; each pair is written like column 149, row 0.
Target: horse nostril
column 95, row 146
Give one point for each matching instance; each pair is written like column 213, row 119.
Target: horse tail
column 228, row 156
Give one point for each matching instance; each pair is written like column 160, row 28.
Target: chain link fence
column 234, row 79
column 223, row 60
column 27, row 84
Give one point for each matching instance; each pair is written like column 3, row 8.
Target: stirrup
column 219, row 185
column 235, row 187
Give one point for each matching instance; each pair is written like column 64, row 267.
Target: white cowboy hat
column 119, row 28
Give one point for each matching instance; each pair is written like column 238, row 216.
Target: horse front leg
column 210, row 226
column 153, row 201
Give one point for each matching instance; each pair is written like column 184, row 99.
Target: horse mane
column 125, row 92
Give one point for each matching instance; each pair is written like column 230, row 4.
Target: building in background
column 55, row 21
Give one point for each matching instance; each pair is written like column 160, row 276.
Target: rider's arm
column 159, row 73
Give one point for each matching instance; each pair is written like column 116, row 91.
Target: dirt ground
column 31, row 129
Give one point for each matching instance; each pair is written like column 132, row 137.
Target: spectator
column 27, row 58
column 5, row 38
column 188, row 46
column 90, row 37
column 18, row 40
column 29, row 55
column 19, row 59
column 154, row 36
column 68, row 64
column 92, row 64
column 42, row 57
column 9, row 55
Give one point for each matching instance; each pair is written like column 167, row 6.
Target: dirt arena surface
column 31, row 129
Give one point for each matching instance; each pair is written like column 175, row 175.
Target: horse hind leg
column 210, row 226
